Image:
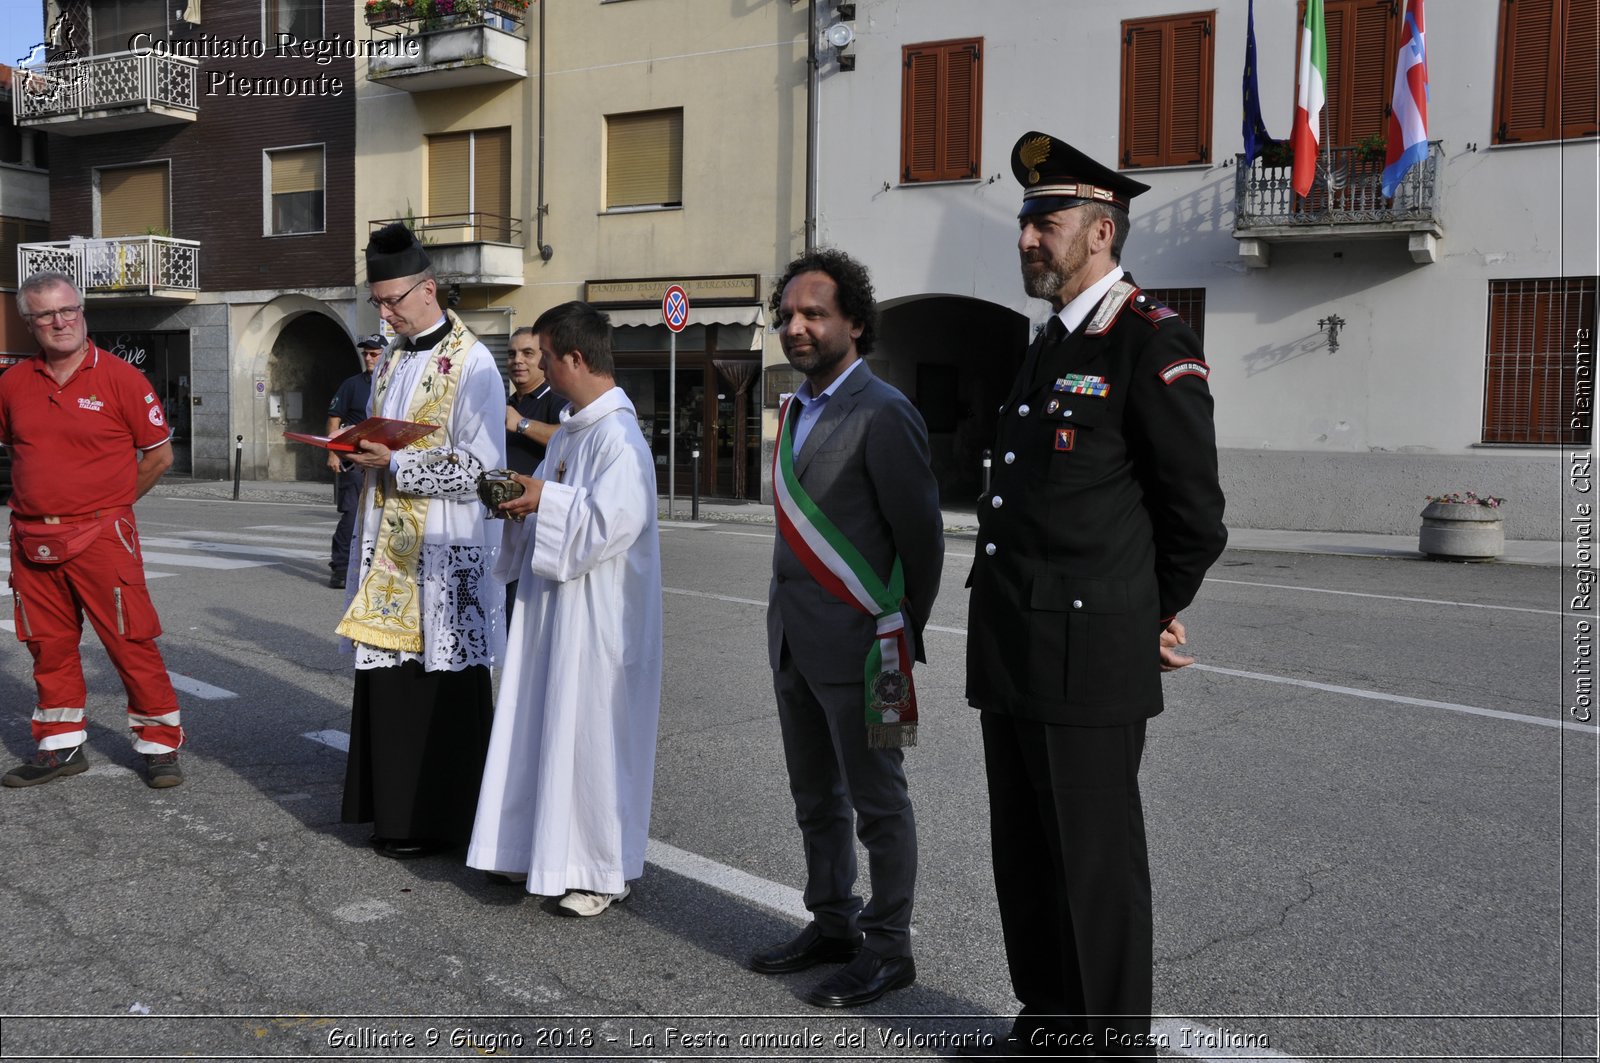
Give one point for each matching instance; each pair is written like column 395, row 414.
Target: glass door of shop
column 163, row 357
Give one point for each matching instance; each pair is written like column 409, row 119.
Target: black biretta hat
column 1054, row 176
column 393, row 251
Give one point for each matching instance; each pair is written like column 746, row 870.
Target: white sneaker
column 585, row 903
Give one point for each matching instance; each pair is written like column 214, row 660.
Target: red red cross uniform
column 73, row 459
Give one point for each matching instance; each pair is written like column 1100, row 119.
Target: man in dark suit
column 856, row 567
column 1103, row 515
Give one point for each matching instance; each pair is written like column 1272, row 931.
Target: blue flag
column 1255, row 131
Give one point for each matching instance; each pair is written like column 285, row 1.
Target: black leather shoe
column 810, row 948
column 336, row 581
column 405, row 848
column 863, row 980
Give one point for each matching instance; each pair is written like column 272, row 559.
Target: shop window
column 469, row 186
column 1190, row 303
column 302, row 18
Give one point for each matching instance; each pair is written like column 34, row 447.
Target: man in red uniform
column 87, row 438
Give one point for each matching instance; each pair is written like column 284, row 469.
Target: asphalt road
column 1371, row 837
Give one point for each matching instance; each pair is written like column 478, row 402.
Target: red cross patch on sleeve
column 1186, row 367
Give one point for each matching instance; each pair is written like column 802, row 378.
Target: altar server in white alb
column 566, row 791
column 425, row 620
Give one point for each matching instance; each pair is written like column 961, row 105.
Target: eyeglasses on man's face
column 389, row 302
column 66, row 314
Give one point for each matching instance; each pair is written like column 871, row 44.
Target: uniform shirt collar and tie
column 1073, row 315
column 811, row 407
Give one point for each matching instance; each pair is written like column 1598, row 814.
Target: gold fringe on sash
column 387, row 608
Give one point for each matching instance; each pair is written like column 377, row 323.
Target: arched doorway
column 310, row 358
column 955, row 357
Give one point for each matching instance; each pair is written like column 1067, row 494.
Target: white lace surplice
column 463, row 606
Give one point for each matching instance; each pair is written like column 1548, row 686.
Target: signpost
column 675, row 313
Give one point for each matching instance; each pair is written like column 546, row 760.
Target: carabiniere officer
column 1104, row 514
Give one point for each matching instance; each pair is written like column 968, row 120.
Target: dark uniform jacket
column 1103, row 515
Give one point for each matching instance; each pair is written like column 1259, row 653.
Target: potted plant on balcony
column 388, row 12
column 1462, row 527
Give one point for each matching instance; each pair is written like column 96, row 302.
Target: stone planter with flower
column 1462, row 527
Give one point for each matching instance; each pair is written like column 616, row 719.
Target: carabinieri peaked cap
column 1054, row 175
column 392, row 252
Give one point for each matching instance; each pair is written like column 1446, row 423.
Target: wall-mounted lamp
column 840, row 35
column 1332, row 324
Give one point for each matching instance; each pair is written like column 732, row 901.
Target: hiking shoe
column 586, row 903
column 161, row 770
column 47, row 764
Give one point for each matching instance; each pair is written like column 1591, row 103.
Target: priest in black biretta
column 425, row 616
column 1096, row 529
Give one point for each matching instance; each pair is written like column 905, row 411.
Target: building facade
column 604, row 151
column 1366, row 351
column 201, row 193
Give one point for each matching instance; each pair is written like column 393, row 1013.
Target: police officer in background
column 348, row 408
column 1103, row 516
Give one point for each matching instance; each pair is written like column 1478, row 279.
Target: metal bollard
column 988, row 460
column 238, row 464
column 694, row 491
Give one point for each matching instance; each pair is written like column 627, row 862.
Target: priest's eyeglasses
column 66, row 314
column 389, row 302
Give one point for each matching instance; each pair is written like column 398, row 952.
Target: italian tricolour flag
column 1310, row 93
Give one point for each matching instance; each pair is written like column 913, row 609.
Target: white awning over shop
column 698, row 315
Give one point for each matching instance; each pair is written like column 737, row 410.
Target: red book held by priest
column 385, row 430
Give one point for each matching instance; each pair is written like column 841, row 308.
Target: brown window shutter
column 1580, row 60
column 491, row 183
column 1189, row 93
column 644, row 159
column 449, row 175
column 1372, row 59
column 1166, row 90
column 958, row 157
column 1526, row 74
column 134, row 201
column 1142, row 95
column 1530, row 366
column 919, row 102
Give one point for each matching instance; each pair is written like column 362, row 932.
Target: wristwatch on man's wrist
column 522, row 426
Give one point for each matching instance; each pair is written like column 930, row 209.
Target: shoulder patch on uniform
column 1105, row 314
column 1152, row 309
column 1185, row 367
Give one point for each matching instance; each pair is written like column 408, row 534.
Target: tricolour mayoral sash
column 891, row 700
column 387, row 609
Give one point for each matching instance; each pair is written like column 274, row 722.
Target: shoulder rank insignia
column 1185, row 367
column 1151, row 310
column 1079, row 384
column 1105, row 314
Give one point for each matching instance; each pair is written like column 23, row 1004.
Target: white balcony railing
column 119, row 265
column 101, row 84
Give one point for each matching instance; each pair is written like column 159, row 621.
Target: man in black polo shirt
column 533, row 412
column 349, row 407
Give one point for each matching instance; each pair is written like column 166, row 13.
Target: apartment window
column 1545, row 80
column 1166, row 90
column 644, row 159
column 113, row 26
column 1190, row 303
column 302, row 18
column 295, row 197
column 1541, row 336
column 469, row 186
column 135, row 201
column 1363, row 36
column 941, row 110
column 14, row 231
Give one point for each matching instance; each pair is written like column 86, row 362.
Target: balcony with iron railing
column 472, row 249
column 1346, row 202
column 106, row 93
column 129, row 268
column 443, row 44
